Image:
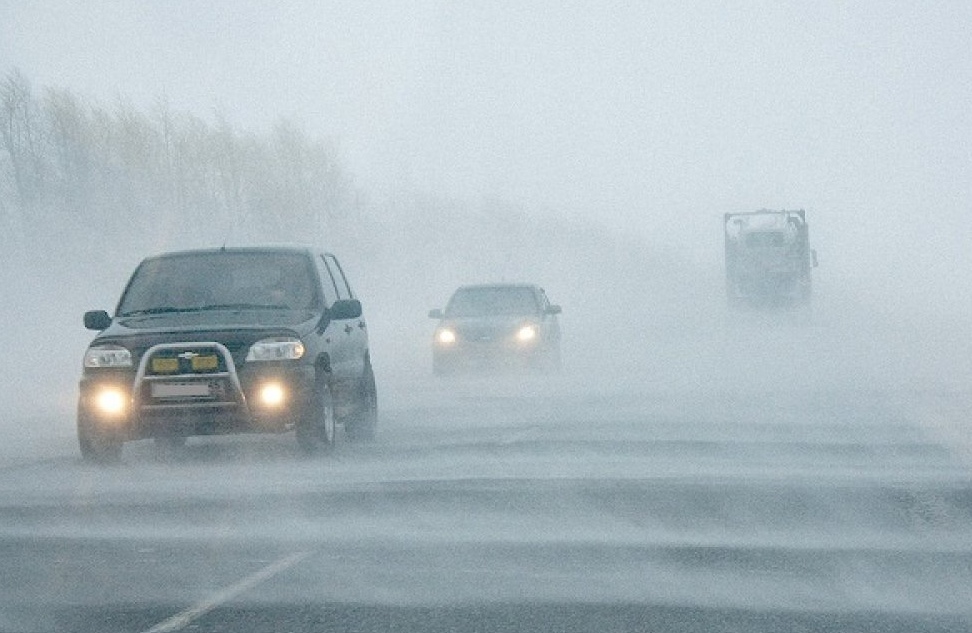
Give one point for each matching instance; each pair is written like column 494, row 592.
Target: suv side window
column 343, row 288
column 327, row 282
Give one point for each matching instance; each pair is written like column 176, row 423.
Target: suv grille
column 195, row 361
column 187, row 374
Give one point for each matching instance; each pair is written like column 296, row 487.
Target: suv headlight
column 107, row 356
column 281, row 348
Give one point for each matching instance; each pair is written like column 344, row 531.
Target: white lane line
column 181, row 620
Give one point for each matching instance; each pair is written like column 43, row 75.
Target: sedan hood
column 486, row 328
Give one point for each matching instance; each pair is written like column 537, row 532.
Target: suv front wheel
column 362, row 424
column 316, row 431
column 97, row 445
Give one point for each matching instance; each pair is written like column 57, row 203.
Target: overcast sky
column 656, row 117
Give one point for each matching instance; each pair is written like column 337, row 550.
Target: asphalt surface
column 516, row 504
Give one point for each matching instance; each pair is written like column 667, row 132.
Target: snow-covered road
column 508, row 503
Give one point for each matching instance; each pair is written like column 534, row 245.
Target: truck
column 768, row 259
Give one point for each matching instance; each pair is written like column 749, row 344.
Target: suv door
column 356, row 330
column 337, row 335
column 550, row 320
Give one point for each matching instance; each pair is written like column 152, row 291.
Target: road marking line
column 181, row 620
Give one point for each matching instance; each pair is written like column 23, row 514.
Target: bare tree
column 71, row 147
column 18, row 137
column 68, row 165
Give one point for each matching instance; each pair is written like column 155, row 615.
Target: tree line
column 89, row 184
column 74, row 169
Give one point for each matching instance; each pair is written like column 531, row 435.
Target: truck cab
column 768, row 259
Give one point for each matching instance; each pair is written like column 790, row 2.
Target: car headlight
column 107, row 356
column 526, row 333
column 445, row 336
column 280, row 348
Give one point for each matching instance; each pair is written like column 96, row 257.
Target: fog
column 717, row 466
column 614, row 136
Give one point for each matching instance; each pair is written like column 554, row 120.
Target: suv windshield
column 220, row 280
column 472, row 302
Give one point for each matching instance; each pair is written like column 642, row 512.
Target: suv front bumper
column 211, row 397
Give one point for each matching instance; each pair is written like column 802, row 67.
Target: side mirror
column 813, row 257
column 435, row 314
column 553, row 309
column 96, row 320
column 345, row 309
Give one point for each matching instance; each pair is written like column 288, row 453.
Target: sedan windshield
column 492, row 301
column 220, row 281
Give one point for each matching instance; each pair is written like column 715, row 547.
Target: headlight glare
column 526, row 333
column 111, row 401
column 107, row 356
column 280, row 348
column 445, row 336
column 272, row 394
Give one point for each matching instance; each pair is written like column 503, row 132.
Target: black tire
column 552, row 361
column 437, row 367
column 445, row 367
column 98, row 446
column 362, row 425
column 316, row 430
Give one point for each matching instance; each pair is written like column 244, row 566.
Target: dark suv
column 229, row 340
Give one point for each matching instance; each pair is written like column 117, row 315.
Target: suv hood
column 301, row 320
column 237, row 338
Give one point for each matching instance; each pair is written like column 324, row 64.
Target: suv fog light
column 272, row 394
column 111, row 401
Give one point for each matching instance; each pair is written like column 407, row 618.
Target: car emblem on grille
column 188, row 355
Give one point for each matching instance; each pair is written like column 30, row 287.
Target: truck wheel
column 316, row 430
column 97, row 445
column 362, row 426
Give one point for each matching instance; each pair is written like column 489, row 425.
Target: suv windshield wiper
column 211, row 306
column 158, row 310
column 243, row 306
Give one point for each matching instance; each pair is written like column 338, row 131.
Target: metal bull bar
column 179, row 390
